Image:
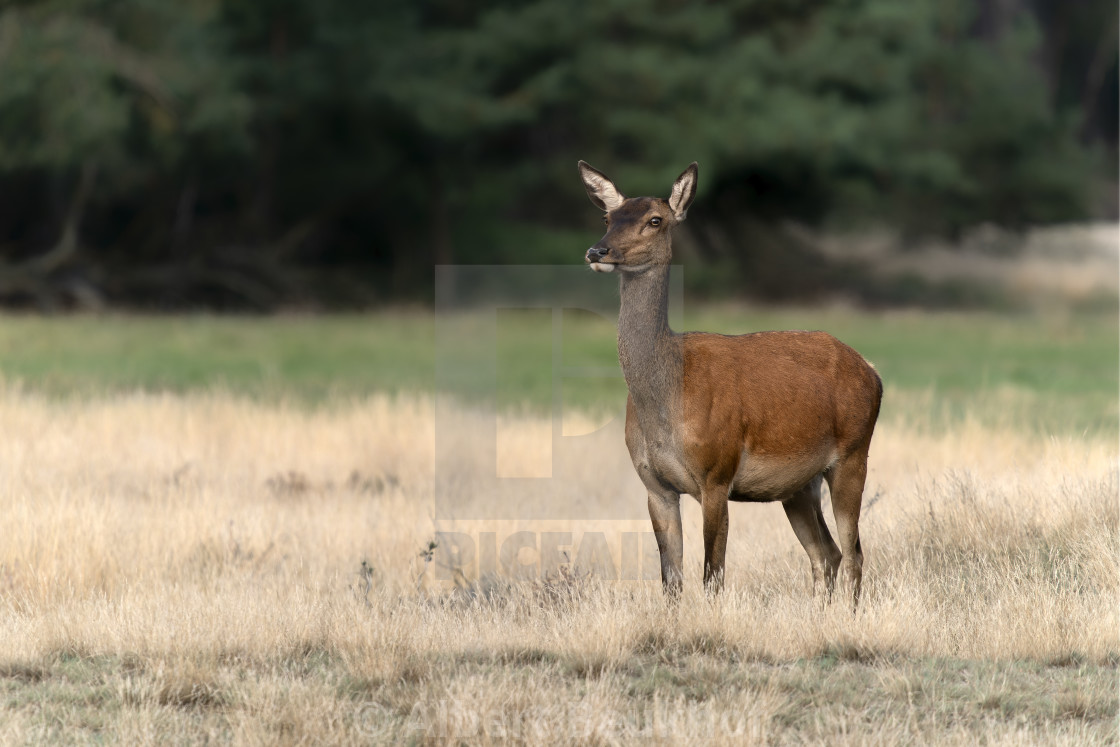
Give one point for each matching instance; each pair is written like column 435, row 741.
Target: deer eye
column 606, row 220
column 655, row 221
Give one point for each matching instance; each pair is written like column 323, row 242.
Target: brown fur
column 758, row 417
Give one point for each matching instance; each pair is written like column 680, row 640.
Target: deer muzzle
column 595, row 256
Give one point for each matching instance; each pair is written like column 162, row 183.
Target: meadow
column 227, row 530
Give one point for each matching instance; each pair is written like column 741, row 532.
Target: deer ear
column 684, row 189
column 600, row 189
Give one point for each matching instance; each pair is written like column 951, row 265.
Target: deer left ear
column 684, row 189
column 604, row 195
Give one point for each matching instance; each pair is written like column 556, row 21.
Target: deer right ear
column 600, row 189
column 684, row 189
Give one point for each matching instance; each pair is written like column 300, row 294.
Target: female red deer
column 756, row 417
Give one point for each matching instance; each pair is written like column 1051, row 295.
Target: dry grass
column 200, row 567
column 1052, row 267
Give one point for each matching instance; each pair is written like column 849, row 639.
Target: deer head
column 638, row 228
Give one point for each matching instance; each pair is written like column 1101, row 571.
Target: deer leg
column 803, row 509
column 665, row 515
column 845, row 482
column 713, row 504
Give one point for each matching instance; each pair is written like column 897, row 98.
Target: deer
column 759, row 417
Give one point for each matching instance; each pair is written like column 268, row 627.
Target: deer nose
column 597, row 252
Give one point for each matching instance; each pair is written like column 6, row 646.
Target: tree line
column 211, row 153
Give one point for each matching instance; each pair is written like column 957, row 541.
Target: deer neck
column 649, row 352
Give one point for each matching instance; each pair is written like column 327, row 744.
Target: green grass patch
column 300, row 357
column 1024, row 370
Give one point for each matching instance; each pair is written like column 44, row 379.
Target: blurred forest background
column 327, row 153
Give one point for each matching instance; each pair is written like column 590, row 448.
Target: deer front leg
column 713, row 504
column 665, row 515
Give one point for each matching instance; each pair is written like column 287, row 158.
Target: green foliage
column 288, row 151
column 813, row 110
column 128, row 85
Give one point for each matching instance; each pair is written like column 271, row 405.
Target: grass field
column 1051, row 372
column 219, row 530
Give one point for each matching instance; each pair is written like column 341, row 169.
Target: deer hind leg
column 803, row 509
column 845, row 482
column 713, row 504
column 665, row 515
